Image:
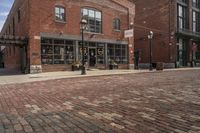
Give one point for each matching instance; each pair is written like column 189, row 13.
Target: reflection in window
column 69, row 53
column 117, row 53
column 196, row 3
column 60, row 13
column 59, row 52
column 195, row 21
column 100, row 54
column 94, row 20
column 116, row 24
column 181, row 17
column 47, row 54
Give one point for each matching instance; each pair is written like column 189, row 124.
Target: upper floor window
column 195, row 21
column 196, row 3
column 60, row 13
column 116, row 24
column 182, row 17
column 94, row 19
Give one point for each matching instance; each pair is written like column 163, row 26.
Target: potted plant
column 113, row 65
column 76, row 66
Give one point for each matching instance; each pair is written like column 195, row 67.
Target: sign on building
column 128, row 33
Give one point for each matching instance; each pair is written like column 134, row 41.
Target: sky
column 5, row 6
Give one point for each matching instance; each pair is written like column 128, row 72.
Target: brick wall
column 38, row 17
column 12, row 56
column 158, row 16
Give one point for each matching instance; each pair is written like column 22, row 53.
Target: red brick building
column 176, row 27
column 54, row 35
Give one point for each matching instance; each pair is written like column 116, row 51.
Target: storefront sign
column 128, row 33
column 37, row 37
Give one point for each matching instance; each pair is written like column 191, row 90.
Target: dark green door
column 182, row 53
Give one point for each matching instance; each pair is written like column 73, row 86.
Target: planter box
column 76, row 67
column 159, row 66
column 111, row 67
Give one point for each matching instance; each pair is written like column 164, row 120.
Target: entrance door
column 92, row 57
column 182, row 53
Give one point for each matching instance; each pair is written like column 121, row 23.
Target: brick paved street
column 163, row 102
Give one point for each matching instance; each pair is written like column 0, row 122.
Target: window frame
column 51, row 44
column 96, row 28
column 117, row 24
column 183, row 17
column 196, row 3
column 55, row 14
column 123, row 57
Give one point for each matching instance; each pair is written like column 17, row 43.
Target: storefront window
column 100, row 54
column 57, row 51
column 47, row 54
column 117, row 53
column 85, row 50
column 59, row 54
column 69, row 53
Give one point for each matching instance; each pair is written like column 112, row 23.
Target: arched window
column 60, row 13
column 116, row 24
column 94, row 19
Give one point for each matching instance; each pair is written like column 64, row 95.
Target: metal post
column 83, row 71
column 192, row 65
column 150, row 56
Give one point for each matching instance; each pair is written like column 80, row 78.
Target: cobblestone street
column 159, row 102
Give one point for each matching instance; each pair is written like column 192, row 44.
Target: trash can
column 159, row 66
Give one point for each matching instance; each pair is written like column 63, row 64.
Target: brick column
column 35, row 54
column 131, row 53
column 190, row 28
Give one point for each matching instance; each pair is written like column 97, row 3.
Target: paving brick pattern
column 164, row 102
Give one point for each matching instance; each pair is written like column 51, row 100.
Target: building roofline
column 8, row 17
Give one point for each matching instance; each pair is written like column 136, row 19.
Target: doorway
column 182, row 53
column 92, row 57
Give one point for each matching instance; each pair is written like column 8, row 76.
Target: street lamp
column 150, row 37
column 83, row 24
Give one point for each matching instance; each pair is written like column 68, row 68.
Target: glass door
column 182, row 53
column 92, row 57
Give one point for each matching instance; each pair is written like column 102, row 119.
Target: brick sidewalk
column 167, row 102
column 8, row 78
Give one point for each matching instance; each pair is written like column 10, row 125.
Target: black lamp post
column 83, row 27
column 150, row 37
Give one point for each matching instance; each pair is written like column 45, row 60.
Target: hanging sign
column 128, row 33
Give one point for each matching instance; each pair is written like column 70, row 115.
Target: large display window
column 57, row 51
column 117, row 53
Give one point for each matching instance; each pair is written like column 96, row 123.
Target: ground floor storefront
column 188, row 53
column 181, row 51
column 60, row 54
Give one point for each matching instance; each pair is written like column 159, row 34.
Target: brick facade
column 38, row 18
column 160, row 16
